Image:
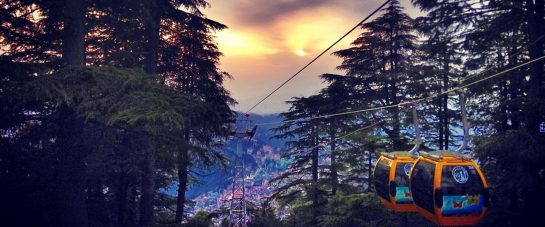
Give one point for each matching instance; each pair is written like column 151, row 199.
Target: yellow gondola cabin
column 391, row 175
column 449, row 190
column 392, row 181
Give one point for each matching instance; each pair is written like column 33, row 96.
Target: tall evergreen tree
column 380, row 62
column 72, row 178
column 441, row 55
column 194, row 71
column 39, row 38
column 300, row 182
column 501, row 35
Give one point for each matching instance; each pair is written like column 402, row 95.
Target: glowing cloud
column 236, row 43
column 300, row 52
column 268, row 40
column 312, row 30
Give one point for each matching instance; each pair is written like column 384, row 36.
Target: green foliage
column 356, row 210
column 201, row 219
column 125, row 98
column 357, row 161
column 97, row 120
column 497, row 35
column 118, row 111
column 302, row 150
column 513, row 163
column 264, row 217
column 379, row 68
column 300, row 213
column 440, row 67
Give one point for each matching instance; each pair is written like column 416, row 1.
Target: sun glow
column 305, row 32
column 300, row 52
column 298, row 33
column 237, row 43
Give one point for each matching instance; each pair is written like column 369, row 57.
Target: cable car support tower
column 238, row 216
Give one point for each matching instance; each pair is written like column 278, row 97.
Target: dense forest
column 104, row 103
column 398, row 59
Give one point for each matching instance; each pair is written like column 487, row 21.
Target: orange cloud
column 267, row 41
column 310, row 31
column 233, row 43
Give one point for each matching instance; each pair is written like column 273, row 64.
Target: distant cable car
column 244, row 127
column 392, row 176
column 448, row 188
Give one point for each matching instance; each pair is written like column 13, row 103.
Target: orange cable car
column 391, row 175
column 448, row 188
column 392, row 181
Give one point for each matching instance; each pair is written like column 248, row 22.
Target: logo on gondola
column 407, row 168
column 460, row 174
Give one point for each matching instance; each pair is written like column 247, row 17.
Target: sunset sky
column 269, row 40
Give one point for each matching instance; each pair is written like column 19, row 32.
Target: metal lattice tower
column 237, row 213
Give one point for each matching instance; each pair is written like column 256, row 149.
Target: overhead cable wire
column 319, row 55
column 354, row 132
column 415, row 100
column 348, row 134
column 340, row 137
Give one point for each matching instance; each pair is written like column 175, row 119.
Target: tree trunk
column 514, row 204
column 72, row 175
column 96, row 201
column 503, row 113
column 148, row 183
column 396, row 130
column 370, row 172
column 440, row 124
column 314, row 168
column 152, row 34
column 515, row 81
column 183, row 171
column 72, row 199
column 504, row 99
column 334, row 175
column 122, row 201
column 73, row 42
column 394, row 70
column 535, row 22
column 133, row 203
column 152, row 29
column 446, row 131
column 182, row 184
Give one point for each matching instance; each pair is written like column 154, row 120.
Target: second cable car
column 392, row 181
column 448, row 188
column 391, row 175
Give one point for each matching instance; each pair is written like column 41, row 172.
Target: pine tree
column 441, row 56
column 501, row 35
column 301, row 180
column 379, row 65
column 336, row 98
column 190, row 65
column 37, row 34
